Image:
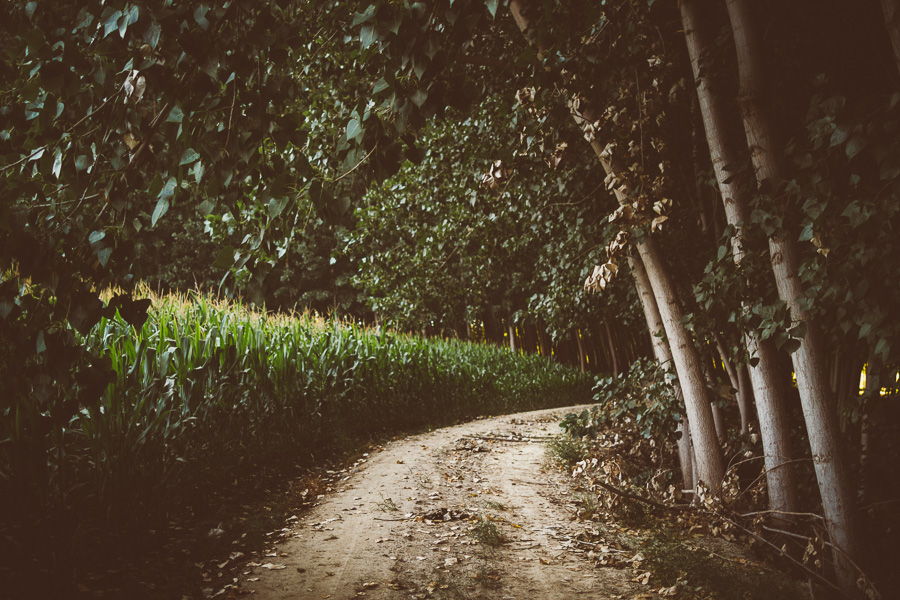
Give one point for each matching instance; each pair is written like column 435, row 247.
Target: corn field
column 207, row 388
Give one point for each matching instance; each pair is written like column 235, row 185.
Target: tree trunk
column 511, row 331
column 685, row 456
column 709, row 465
column 544, row 340
column 891, row 10
column 870, row 396
column 580, row 350
column 727, row 160
column 742, row 392
column 745, row 399
column 719, row 422
column 612, row 349
column 529, row 337
column 810, row 363
column 664, row 357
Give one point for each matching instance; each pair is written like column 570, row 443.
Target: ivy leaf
column 839, row 136
column 162, row 201
column 161, row 208
column 103, row 256
column 200, row 16
column 367, row 35
column 364, row 16
column 354, row 129
column 176, row 115
column 276, row 206
column 199, row 169
column 854, row 146
column 151, row 35
column 57, row 163
column 419, row 97
column 380, row 86
column 189, row 156
column 111, row 23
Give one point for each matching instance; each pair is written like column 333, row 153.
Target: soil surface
column 472, row 511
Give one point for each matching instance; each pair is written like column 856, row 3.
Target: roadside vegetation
column 207, row 391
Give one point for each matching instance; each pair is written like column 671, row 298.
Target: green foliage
column 640, row 401
column 479, row 227
column 566, row 450
column 206, row 388
column 487, row 532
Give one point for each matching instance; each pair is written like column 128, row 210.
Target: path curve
column 411, row 521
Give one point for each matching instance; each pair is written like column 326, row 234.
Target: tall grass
column 208, row 387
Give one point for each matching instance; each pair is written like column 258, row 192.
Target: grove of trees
column 713, row 183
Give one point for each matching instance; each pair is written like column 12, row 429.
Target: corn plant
column 208, row 387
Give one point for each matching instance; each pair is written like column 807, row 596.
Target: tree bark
column 511, row 331
column 580, row 350
column 810, row 362
column 664, row 357
column 685, row 456
column 870, row 397
column 727, row 159
column 891, row 10
column 709, row 465
column 612, row 349
column 745, row 399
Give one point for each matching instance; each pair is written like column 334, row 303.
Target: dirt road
column 460, row 512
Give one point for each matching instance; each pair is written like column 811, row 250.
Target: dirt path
column 418, row 518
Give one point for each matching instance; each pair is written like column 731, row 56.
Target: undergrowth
column 673, row 560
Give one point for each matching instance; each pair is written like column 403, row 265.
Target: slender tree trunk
column 810, row 363
column 709, row 466
column 764, row 376
column 685, row 456
column 745, row 399
column 529, row 337
column 891, row 9
column 664, row 357
column 511, row 331
column 544, row 340
column 739, row 379
column 870, row 396
column 719, row 422
column 580, row 350
column 612, row 349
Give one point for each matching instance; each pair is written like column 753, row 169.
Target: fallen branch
column 509, row 439
column 529, row 482
column 796, row 562
column 636, row 498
